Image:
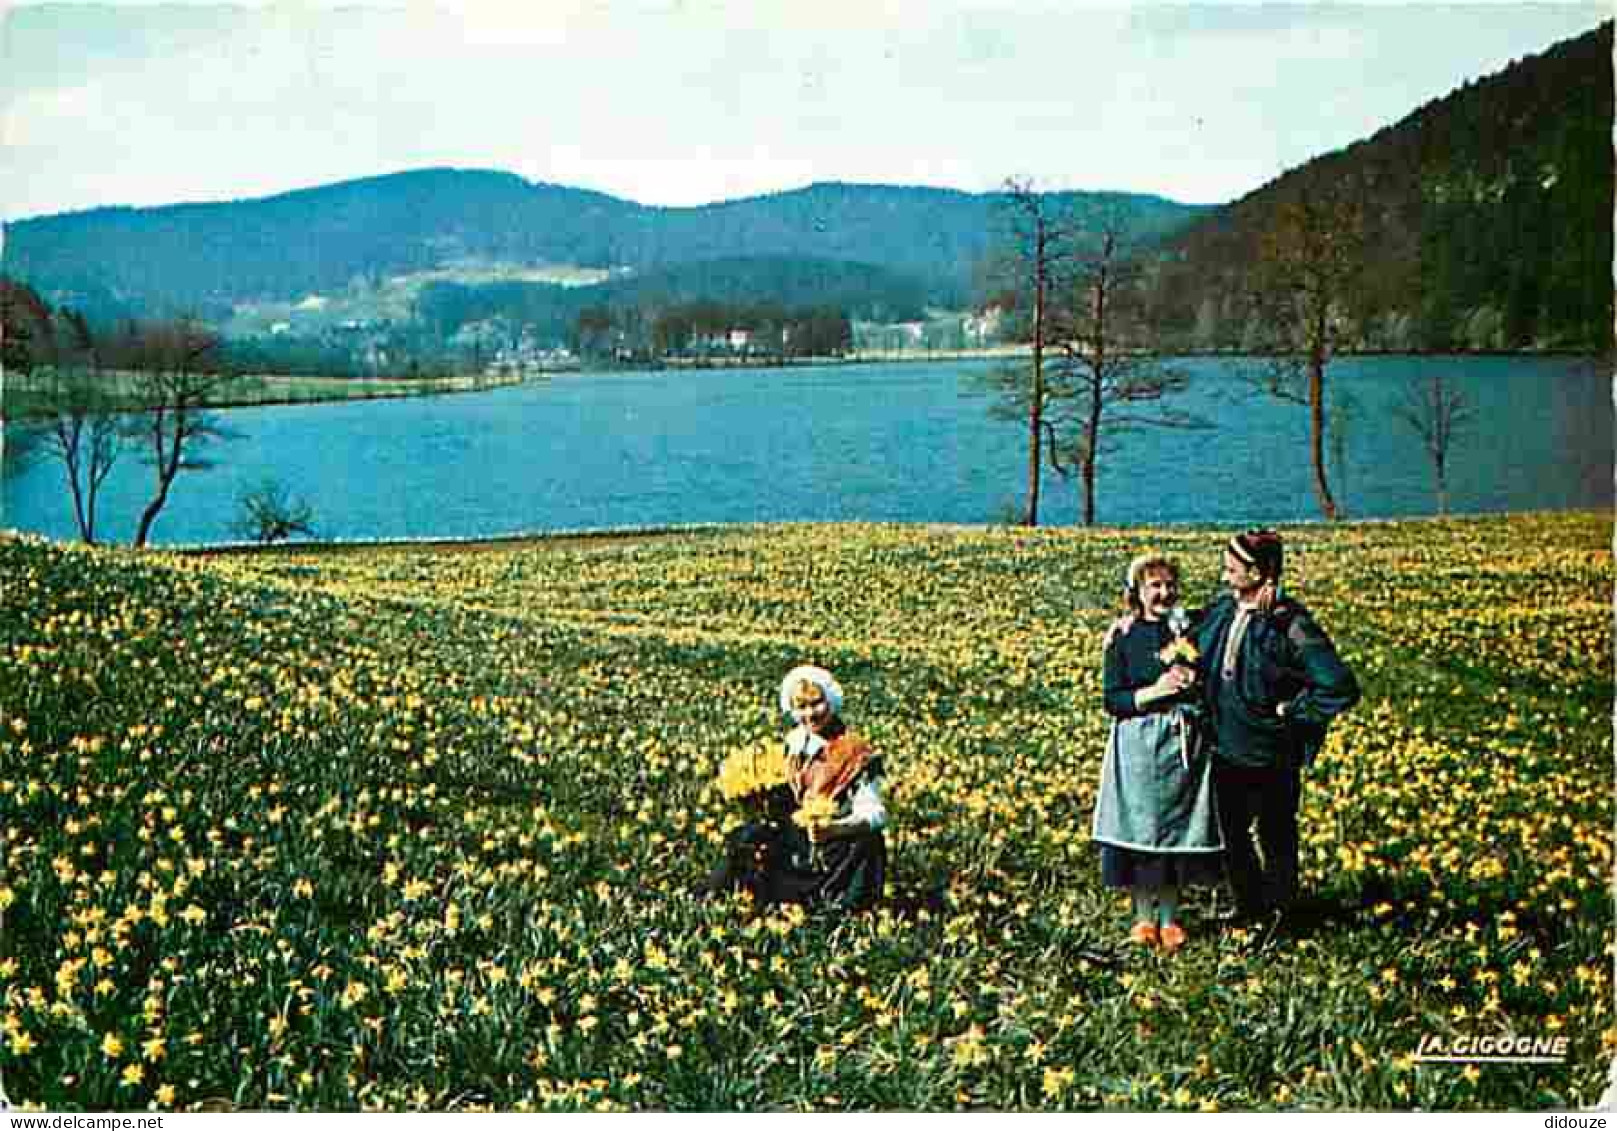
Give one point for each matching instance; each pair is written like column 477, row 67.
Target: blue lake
column 909, row 442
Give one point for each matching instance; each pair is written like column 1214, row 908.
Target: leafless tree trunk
column 1035, row 252
column 1316, row 416
column 1308, row 264
column 84, row 433
column 70, row 416
column 1099, row 284
column 84, row 430
column 1105, row 380
column 176, row 379
column 1439, row 414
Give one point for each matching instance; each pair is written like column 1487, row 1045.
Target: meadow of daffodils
column 409, row 828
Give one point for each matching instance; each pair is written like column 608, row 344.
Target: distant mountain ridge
column 206, row 257
column 1487, row 219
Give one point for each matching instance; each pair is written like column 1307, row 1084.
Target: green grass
column 397, row 828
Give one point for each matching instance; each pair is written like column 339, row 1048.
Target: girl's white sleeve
column 867, row 806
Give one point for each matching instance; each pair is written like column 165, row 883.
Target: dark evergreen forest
column 1487, row 220
column 552, row 311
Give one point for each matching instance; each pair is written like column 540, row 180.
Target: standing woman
column 1155, row 819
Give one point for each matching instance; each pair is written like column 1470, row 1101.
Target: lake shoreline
column 336, row 390
column 29, row 398
column 1022, row 353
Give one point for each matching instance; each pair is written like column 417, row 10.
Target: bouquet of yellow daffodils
column 1179, row 651
column 752, row 771
column 814, row 813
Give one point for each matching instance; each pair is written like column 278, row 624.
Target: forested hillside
column 552, row 311
column 202, row 258
column 1487, row 218
column 205, row 258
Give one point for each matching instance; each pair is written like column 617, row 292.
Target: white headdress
column 819, row 677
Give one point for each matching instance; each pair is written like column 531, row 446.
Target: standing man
column 1272, row 682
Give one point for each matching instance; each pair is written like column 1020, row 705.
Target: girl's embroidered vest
column 844, row 758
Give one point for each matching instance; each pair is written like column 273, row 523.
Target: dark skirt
column 778, row 864
column 1128, row 868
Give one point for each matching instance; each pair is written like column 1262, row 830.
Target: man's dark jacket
column 1285, row 657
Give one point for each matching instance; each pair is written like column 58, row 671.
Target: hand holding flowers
column 815, row 816
column 1178, row 657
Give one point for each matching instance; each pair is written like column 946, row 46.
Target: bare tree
column 176, row 377
column 1104, row 383
column 79, row 423
column 1309, row 263
column 1034, row 256
column 89, row 398
column 267, row 513
column 62, row 409
column 1440, row 414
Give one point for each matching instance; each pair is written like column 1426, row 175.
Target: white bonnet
column 819, row 677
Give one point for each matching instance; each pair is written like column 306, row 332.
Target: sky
column 681, row 102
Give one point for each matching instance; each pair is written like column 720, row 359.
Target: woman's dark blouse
column 1132, row 663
